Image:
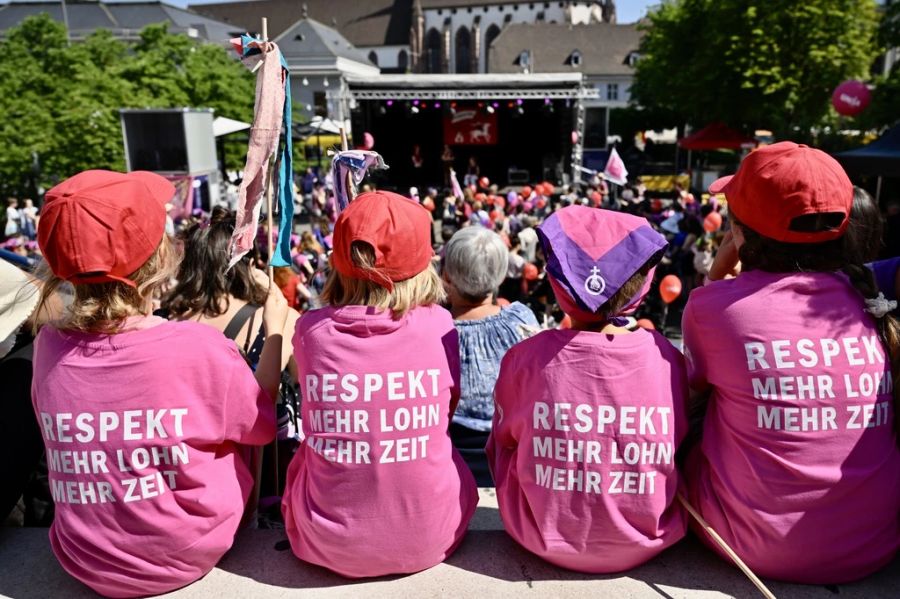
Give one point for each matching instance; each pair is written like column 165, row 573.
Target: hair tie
column 880, row 306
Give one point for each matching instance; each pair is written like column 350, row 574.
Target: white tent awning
column 224, row 126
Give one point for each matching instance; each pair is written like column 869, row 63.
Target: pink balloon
column 574, row 137
column 851, row 97
column 368, row 141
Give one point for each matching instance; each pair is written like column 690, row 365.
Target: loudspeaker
column 169, row 141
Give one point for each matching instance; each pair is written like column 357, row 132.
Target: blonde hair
column 424, row 289
column 103, row 307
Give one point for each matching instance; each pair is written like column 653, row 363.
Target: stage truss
column 472, row 94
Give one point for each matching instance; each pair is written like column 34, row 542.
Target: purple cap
column 591, row 253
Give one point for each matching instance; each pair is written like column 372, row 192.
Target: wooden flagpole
column 728, row 550
column 349, row 182
column 270, row 244
column 271, row 269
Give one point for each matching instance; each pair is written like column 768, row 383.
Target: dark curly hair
column 204, row 279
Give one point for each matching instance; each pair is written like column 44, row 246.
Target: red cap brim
column 719, row 185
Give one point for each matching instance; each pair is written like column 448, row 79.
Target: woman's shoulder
column 431, row 311
column 520, row 313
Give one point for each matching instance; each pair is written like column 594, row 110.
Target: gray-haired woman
column 474, row 264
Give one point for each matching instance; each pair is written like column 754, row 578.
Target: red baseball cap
column 398, row 229
column 101, row 226
column 778, row 183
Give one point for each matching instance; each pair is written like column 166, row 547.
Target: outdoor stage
column 519, row 128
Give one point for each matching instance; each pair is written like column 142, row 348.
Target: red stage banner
column 470, row 126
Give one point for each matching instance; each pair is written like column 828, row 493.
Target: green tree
column 885, row 107
column 61, row 103
column 753, row 63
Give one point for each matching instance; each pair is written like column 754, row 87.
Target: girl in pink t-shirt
column 376, row 488
column 145, row 422
column 588, row 420
column 798, row 468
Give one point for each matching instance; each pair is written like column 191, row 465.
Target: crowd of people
column 420, row 346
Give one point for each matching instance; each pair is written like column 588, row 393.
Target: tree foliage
column 61, row 102
column 885, row 107
column 753, row 63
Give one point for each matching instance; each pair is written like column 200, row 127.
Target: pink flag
column 615, row 170
column 264, row 135
column 454, row 183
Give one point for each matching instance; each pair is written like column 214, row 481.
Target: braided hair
column 847, row 254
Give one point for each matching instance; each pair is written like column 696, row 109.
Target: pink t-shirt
column 798, row 469
column 143, row 431
column 376, row 487
column 583, row 447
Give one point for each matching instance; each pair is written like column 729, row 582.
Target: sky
column 627, row 11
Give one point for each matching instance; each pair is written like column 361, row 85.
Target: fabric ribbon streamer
column 272, row 110
column 357, row 163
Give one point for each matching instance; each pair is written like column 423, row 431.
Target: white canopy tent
column 224, row 126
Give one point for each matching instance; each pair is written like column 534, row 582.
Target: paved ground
column 488, row 564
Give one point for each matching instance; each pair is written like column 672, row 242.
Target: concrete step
column 487, row 564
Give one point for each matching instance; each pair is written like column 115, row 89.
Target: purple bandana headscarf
column 591, row 253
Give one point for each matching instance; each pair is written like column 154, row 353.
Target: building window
column 373, row 58
column 632, row 58
column 575, row 59
column 402, row 61
column 541, row 16
column 463, row 50
column 489, row 37
column 524, row 60
column 433, row 51
column 612, row 91
column 321, row 104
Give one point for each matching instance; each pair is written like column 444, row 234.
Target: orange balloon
column 526, row 191
column 646, row 323
column 530, row 272
column 670, row 288
column 548, row 188
column 566, row 322
column 712, row 222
